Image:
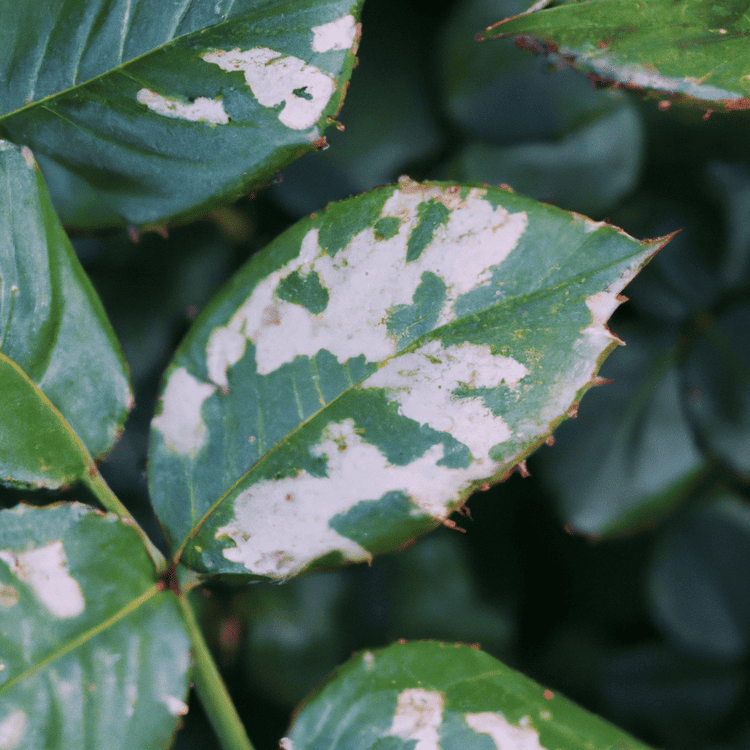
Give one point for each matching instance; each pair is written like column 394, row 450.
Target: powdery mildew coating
column 293, row 529
column 337, row 35
column 418, row 716
column 423, row 381
column 505, row 735
column 175, row 706
column 202, row 109
column 636, row 75
column 180, row 420
column 12, row 729
column 45, row 570
column 304, row 89
column 371, row 277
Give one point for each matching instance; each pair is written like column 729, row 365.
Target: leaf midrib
column 433, row 334
column 84, row 637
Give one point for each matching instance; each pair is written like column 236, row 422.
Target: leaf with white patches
column 691, row 52
column 359, row 378
column 143, row 111
column 63, row 379
column 94, row 652
column 443, row 696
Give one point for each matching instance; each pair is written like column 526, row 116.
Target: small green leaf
column 694, row 51
column 94, row 653
column 434, row 696
column 140, row 114
column 288, row 440
column 62, row 375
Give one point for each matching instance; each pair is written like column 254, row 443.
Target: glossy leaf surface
column 695, row 51
column 62, row 375
column 360, row 377
column 93, row 654
column 433, row 695
column 139, row 111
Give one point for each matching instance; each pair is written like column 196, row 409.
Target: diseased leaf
column 433, row 695
column 694, row 51
column 93, row 653
column 646, row 461
column 460, row 326
column 144, row 110
column 64, row 383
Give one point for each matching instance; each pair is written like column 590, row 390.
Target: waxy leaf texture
column 94, row 653
column 379, row 361
column 63, row 379
column 142, row 110
column 693, row 51
column 443, row 696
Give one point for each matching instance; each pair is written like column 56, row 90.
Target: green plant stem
column 211, row 688
column 95, row 482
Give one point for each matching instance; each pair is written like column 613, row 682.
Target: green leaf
column 446, row 696
column 590, row 170
column 448, row 351
column 138, row 114
column 646, row 461
column 94, row 653
column 693, row 51
column 710, row 549
column 62, row 375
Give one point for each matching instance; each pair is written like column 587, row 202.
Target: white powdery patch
column 366, row 281
column 45, row 570
column 337, row 35
column 12, row 728
column 180, row 421
column 175, row 706
column 423, row 381
column 647, row 79
column 505, row 735
column 418, row 716
column 202, row 109
column 280, row 526
column 273, row 79
column 28, row 157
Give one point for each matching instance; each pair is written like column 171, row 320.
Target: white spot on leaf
column 28, row 157
column 45, row 570
column 202, row 109
column 505, row 735
column 175, row 706
column 12, row 728
column 418, row 716
column 285, row 744
column 372, row 277
column 273, row 79
column 180, row 421
column 423, row 381
column 337, row 35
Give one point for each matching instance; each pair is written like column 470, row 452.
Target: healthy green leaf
column 62, row 375
column 94, row 653
column 459, row 326
column 144, row 110
column 692, row 51
column 446, row 696
column 591, row 169
column 710, row 548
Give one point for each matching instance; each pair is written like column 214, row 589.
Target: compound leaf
column 93, row 653
column 358, row 379
column 694, row 51
column 446, row 696
column 142, row 110
column 62, row 375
